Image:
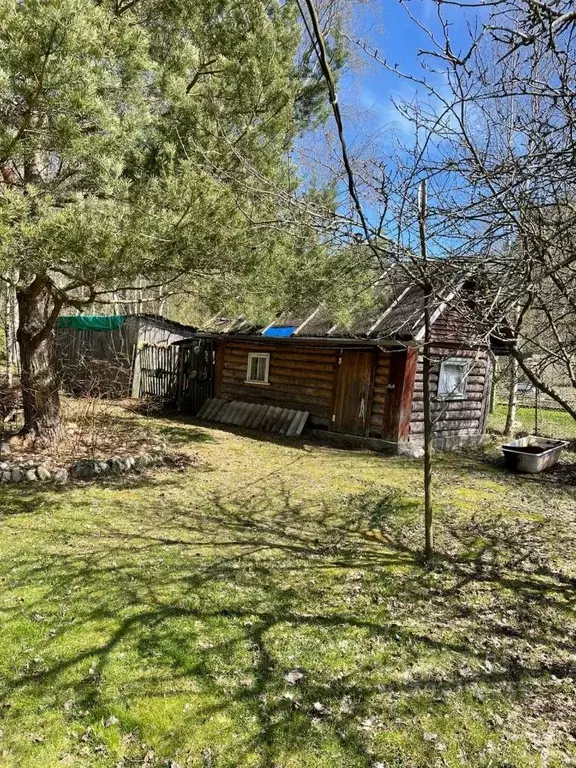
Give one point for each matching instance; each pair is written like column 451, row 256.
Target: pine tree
column 133, row 136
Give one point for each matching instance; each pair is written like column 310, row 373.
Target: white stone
column 43, row 473
column 412, row 450
column 60, row 477
column 31, row 476
column 16, row 475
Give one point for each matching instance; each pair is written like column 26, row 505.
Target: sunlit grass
column 551, row 423
column 155, row 621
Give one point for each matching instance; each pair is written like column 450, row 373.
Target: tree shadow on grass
column 211, row 603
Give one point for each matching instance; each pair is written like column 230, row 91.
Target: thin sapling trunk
column 428, row 513
column 512, row 398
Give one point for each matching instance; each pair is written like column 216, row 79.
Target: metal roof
column 397, row 316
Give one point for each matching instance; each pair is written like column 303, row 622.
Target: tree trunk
column 10, row 329
column 512, row 398
column 493, row 382
column 426, row 349
column 38, row 311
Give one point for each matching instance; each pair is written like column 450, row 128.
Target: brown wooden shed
column 363, row 379
column 101, row 354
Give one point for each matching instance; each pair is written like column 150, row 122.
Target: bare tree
column 495, row 123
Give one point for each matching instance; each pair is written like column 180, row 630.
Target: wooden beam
column 306, row 321
column 395, row 303
column 220, row 351
column 398, row 408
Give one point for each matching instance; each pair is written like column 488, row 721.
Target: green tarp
column 91, row 322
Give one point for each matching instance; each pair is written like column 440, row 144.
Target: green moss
column 156, row 619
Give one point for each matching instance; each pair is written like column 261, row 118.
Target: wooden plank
column 261, row 416
column 287, row 356
column 219, row 406
column 303, row 382
column 271, row 395
column 460, row 432
column 397, row 411
column 218, row 367
column 286, row 420
column 299, row 422
column 418, row 426
column 278, row 398
column 271, row 419
column 440, row 418
column 224, row 416
column 290, row 350
column 310, row 368
column 471, row 389
column 206, row 408
column 452, row 405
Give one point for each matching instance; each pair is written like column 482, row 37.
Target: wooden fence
column 182, row 374
column 159, row 372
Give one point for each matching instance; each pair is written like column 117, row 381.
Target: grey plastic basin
column 532, row 453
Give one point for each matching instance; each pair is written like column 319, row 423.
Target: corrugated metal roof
column 266, row 418
column 395, row 313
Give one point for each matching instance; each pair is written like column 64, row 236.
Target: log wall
column 304, row 378
column 381, row 395
column 300, row 377
column 453, row 418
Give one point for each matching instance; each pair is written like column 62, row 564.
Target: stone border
column 32, row 471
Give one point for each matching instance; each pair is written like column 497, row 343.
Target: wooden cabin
column 365, row 379
column 100, row 354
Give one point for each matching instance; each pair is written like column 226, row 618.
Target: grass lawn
column 551, row 423
column 268, row 609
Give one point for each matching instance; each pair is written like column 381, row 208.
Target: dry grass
column 270, row 610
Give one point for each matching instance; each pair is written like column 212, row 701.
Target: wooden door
column 196, row 373
column 353, row 399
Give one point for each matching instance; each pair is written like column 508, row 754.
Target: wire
column 319, row 45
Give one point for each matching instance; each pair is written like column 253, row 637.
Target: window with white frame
column 452, row 379
column 258, row 368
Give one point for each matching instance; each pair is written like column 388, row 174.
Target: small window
column 452, row 379
column 258, row 367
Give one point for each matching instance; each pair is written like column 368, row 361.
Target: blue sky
column 367, row 89
column 366, row 93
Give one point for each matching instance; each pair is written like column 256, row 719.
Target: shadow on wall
column 197, row 611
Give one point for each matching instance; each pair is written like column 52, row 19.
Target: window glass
column 452, row 380
column 258, row 367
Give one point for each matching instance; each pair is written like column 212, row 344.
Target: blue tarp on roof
column 280, row 331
